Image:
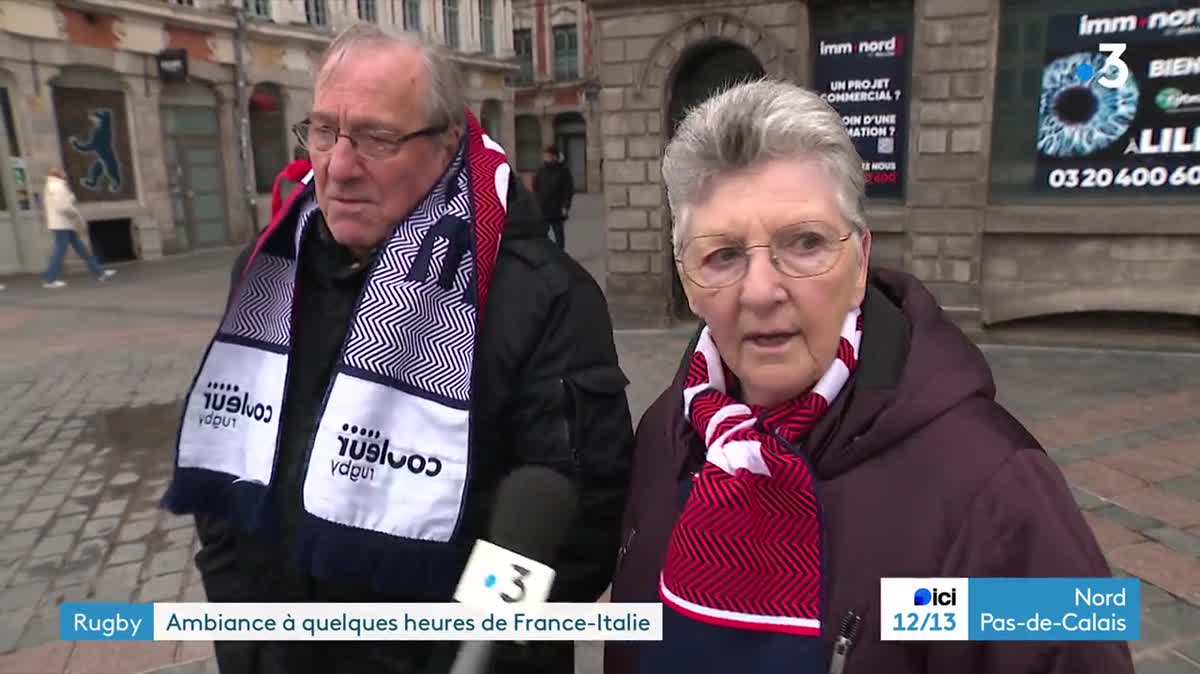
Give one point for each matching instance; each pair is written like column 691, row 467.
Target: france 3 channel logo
column 1114, row 72
column 923, row 609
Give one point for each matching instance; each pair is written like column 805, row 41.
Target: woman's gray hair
column 749, row 125
column 445, row 100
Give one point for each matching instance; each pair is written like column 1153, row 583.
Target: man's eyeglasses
column 368, row 144
column 801, row 250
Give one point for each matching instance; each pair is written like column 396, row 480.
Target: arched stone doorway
column 705, row 69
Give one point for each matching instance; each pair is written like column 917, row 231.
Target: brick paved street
column 90, row 380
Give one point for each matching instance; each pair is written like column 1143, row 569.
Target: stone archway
column 703, row 70
column 688, row 64
column 661, row 67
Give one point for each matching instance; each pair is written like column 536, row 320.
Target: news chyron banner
column 201, row 621
column 1010, row 609
column 863, row 75
column 1120, row 102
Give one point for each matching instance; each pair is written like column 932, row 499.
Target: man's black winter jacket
column 547, row 390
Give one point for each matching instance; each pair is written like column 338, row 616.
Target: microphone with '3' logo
column 533, row 511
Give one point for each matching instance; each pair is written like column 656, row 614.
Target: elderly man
column 399, row 338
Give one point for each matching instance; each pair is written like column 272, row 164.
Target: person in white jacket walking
column 63, row 219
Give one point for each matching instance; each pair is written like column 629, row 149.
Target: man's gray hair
column 445, row 99
column 749, row 125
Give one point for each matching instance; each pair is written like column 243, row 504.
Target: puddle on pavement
column 134, row 429
column 132, row 460
column 121, row 464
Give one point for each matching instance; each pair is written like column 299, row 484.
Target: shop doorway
column 195, row 167
column 570, row 134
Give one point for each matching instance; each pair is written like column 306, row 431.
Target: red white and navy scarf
column 745, row 554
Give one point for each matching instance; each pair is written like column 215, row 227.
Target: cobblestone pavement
column 90, row 380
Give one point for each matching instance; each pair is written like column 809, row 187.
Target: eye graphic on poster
column 1078, row 116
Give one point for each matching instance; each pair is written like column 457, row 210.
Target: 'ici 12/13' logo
column 363, row 452
column 223, row 406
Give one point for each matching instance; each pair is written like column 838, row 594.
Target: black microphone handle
column 473, row 658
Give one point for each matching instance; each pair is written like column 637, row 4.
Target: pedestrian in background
column 554, row 186
column 63, row 219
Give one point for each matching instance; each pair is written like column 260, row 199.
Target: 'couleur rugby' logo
column 223, row 406
column 362, row 452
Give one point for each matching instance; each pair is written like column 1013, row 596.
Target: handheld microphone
column 533, row 512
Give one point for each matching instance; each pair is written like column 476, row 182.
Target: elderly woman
column 827, row 428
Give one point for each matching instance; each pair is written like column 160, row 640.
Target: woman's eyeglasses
column 799, row 251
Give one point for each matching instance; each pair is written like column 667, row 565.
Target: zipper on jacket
column 621, row 552
column 844, row 642
column 572, row 402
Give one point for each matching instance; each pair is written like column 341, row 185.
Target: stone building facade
column 156, row 164
column 968, row 222
column 554, row 91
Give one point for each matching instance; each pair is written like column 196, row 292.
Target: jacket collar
column 885, row 347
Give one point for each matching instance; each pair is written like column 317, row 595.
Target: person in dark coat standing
column 828, row 427
column 344, row 443
column 555, row 188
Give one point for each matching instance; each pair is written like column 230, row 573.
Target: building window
column 489, row 118
column 259, row 9
column 529, row 143
column 566, row 53
column 367, row 11
column 523, row 49
column 412, row 15
column 450, row 18
column 268, row 135
column 316, row 13
column 487, row 27
column 14, row 151
column 1053, row 136
column 14, row 148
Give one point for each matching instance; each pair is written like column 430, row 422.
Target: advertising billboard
column 863, row 75
column 1120, row 102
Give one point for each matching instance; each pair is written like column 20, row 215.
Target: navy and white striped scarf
column 386, row 478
